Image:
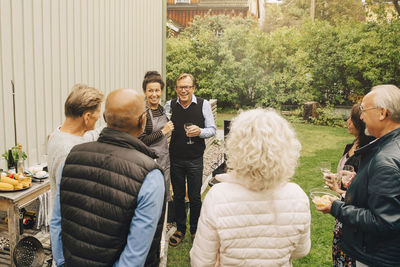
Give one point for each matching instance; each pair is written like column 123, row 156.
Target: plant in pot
column 14, row 151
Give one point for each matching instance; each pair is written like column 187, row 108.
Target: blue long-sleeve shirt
column 209, row 124
column 142, row 228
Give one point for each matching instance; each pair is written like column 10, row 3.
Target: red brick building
column 181, row 12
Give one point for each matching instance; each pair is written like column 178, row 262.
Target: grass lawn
column 318, row 143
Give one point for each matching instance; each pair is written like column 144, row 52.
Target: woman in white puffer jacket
column 255, row 216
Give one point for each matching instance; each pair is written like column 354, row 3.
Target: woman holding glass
column 158, row 126
column 355, row 127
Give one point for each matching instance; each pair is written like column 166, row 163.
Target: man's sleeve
column 383, row 212
column 209, row 123
column 144, row 222
column 55, row 227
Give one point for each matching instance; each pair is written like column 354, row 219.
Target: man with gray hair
column 371, row 210
column 111, row 194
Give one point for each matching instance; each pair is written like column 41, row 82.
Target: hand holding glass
column 346, row 175
column 187, row 126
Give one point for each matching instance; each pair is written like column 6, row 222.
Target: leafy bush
column 241, row 66
column 328, row 117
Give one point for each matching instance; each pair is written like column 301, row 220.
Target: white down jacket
column 240, row 227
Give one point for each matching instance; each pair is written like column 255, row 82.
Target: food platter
column 16, row 190
column 14, row 182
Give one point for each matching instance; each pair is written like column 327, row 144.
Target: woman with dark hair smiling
column 356, row 127
column 158, row 126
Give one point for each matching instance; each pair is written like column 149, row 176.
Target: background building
column 181, row 12
column 47, row 46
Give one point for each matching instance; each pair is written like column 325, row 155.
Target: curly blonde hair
column 262, row 149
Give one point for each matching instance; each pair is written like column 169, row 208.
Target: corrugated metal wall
column 46, row 46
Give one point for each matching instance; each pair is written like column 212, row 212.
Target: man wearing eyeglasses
column 370, row 212
column 186, row 156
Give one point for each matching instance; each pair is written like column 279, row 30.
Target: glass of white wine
column 325, row 167
column 187, row 126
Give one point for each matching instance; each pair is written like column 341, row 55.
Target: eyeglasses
column 362, row 109
column 145, row 111
column 184, row 87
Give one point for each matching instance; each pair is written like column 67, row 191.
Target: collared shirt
column 209, row 124
column 142, row 228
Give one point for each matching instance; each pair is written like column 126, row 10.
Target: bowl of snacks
column 321, row 197
column 10, row 182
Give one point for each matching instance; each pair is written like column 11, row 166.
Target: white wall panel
column 46, row 46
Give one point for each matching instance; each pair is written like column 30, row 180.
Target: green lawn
column 318, row 143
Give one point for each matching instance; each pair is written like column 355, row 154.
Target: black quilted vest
column 194, row 114
column 98, row 193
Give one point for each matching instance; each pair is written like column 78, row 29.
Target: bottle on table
column 20, row 162
column 10, row 162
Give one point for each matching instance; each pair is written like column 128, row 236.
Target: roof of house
column 214, row 4
column 224, row 3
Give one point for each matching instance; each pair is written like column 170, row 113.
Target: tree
column 336, row 11
column 380, row 9
column 297, row 12
column 289, row 13
column 218, row 51
column 241, row 66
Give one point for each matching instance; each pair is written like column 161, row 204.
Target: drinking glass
column 325, row 167
column 346, row 175
column 169, row 115
column 186, row 126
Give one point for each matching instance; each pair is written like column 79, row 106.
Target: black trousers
column 191, row 171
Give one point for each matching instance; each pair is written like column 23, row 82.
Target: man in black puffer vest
column 112, row 193
column 186, row 151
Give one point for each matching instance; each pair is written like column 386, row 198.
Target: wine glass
column 169, row 115
column 346, row 175
column 325, row 167
column 187, row 126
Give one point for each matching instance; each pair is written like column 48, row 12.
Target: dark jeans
column 192, row 171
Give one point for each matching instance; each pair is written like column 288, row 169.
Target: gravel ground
column 213, row 157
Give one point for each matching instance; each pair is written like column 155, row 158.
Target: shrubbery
column 241, row 66
column 328, row 117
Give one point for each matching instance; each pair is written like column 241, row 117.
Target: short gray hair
column 82, row 99
column 388, row 96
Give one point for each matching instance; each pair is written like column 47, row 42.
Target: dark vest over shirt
column 98, row 195
column 194, row 114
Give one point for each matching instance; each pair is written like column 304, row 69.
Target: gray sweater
column 60, row 144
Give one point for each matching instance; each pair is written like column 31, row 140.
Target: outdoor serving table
column 12, row 202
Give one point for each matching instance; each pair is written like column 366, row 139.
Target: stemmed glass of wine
column 325, row 167
column 187, row 126
column 168, row 114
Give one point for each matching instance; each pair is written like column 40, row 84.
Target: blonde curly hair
column 262, row 149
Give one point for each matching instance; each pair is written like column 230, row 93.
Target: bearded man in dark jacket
column 371, row 210
column 112, row 193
